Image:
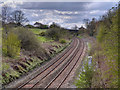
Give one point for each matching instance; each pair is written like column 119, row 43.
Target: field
column 41, row 38
column 38, row 31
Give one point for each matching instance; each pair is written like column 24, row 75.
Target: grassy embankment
column 104, row 52
column 57, row 46
column 34, row 52
column 41, row 38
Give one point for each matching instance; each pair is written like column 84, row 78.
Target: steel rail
column 64, row 53
column 63, row 68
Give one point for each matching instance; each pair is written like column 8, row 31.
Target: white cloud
column 66, row 12
column 66, row 19
column 71, row 25
column 94, row 12
column 41, row 10
column 50, row 17
column 35, row 15
column 47, row 17
column 11, row 4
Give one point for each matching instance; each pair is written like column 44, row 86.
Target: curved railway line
column 64, row 73
column 57, row 70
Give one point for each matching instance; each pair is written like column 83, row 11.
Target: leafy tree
column 29, row 26
column 106, row 51
column 28, row 40
column 53, row 33
column 54, row 25
column 57, row 33
column 108, row 40
column 11, row 45
column 75, row 27
column 91, row 27
column 30, row 43
column 44, row 27
column 81, row 30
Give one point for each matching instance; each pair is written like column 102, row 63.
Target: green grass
column 43, row 39
column 89, row 46
column 38, row 31
column 79, row 36
column 40, row 38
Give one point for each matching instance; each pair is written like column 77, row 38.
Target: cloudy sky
column 66, row 14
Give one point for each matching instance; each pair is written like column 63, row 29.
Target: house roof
column 37, row 23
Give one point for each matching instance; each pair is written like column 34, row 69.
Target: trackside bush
column 28, row 39
column 53, row 33
column 30, row 43
column 85, row 76
column 58, row 33
column 62, row 41
column 42, row 34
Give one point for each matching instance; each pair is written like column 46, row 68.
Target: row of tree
column 105, row 51
column 92, row 25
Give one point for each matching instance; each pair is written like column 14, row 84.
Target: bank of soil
column 21, row 68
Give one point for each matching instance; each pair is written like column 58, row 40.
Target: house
column 37, row 24
column 82, row 30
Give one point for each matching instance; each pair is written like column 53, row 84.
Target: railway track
column 60, row 78
column 42, row 84
column 59, row 61
column 54, row 75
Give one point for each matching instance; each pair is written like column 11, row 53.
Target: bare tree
column 5, row 14
column 75, row 27
column 18, row 17
column 86, row 21
column 55, row 25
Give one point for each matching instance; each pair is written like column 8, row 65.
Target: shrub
column 108, row 40
column 11, row 45
column 57, row 33
column 85, row 76
column 42, row 34
column 62, row 41
column 53, row 33
column 65, row 34
column 28, row 39
column 30, row 43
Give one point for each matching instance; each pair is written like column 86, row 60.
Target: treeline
column 42, row 26
column 107, row 39
column 105, row 51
